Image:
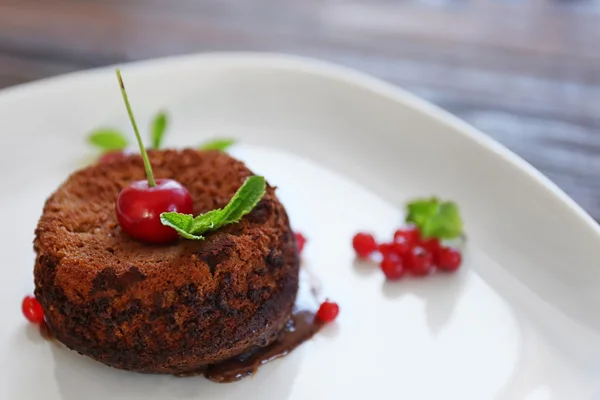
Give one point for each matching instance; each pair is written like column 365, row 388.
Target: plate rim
column 332, row 71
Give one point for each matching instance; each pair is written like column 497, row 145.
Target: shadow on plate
column 80, row 377
column 365, row 267
column 440, row 293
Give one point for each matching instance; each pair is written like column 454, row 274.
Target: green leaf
column 217, row 144
column 180, row 222
column 245, row 199
column 435, row 219
column 159, row 125
column 445, row 224
column 108, row 140
column 242, row 202
column 208, row 221
column 419, row 211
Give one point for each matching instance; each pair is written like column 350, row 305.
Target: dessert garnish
column 328, row 311
column 420, row 248
column 113, row 144
column 434, row 218
column 364, row 244
column 300, row 241
column 32, row 310
column 140, row 204
column 107, row 140
column 217, row 144
column 242, row 202
column 392, row 266
column 448, row 259
column 159, row 125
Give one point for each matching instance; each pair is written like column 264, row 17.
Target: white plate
column 521, row 320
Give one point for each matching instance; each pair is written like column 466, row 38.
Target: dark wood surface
column 526, row 72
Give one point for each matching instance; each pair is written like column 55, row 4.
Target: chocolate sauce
column 301, row 327
column 45, row 331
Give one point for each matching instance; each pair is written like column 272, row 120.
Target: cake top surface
column 80, row 229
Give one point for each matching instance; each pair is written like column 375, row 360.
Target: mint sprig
column 159, row 125
column 108, row 140
column 217, row 144
column 435, row 218
column 242, row 202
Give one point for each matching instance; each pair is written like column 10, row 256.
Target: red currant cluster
column 408, row 252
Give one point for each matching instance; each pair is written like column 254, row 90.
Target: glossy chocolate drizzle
column 45, row 331
column 301, row 327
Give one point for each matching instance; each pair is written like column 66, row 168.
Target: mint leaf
column 445, row 224
column 159, row 125
column 208, row 221
column 245, row 199
column 108, row 140
column 435, row 219
column 242, row 202
column 217, row 144
column 180, row 222
column 419, row 211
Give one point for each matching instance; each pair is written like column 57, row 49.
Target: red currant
column 300, row 241
column 32, row 310
column 364, row 244
column 419, row 261
column 328, row 311
column 432, row 245
column 139, row 207
column 401, row 245
column 386, row 249
column 449, row 259
column 392, row 267
column 410, row 235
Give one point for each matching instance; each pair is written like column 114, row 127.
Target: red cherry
column 419, row 261
column 392, row 267
column 140, row 204
column 449, row 259
column 410, row 235
column 364, row 244
column 32, row 310
column 328, row 311
column 139, row 207
column 300, row 241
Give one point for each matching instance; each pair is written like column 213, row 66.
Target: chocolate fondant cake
column 171, row 308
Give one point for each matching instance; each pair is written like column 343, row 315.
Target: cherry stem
column 147, row 165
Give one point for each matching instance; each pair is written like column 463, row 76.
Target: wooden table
column 526, row 72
